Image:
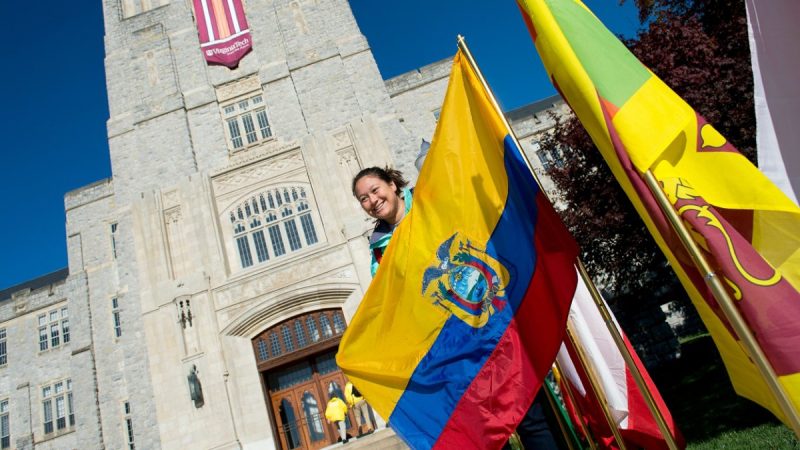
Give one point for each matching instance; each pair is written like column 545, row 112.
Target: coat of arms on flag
column 469, row 283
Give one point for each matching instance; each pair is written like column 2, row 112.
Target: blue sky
column 55, row 108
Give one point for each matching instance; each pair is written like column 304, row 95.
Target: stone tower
column 227, row 236
column 211, row 277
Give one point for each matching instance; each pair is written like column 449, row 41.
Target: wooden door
column 312, row 407
column 333, row 385
column 288, row 418
column 300, row 413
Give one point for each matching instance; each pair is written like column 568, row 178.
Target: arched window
column 313, row 415
column 338, row 323
column 263, row 354
column 273, row 223
column 326, row 326
column 312, row 328
column 298, row 333
column 288, row 344
column 273, row 342
column 289, row 419
column 301, row 335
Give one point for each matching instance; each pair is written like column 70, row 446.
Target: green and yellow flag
column 749, row 230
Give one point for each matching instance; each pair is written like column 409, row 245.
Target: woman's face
column 379, row 199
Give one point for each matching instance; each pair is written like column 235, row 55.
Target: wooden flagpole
column 726, row 304
column 637, row 376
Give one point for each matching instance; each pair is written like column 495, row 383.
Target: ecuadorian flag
column 468, row 308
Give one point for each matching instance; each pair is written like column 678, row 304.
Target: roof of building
column 36, row 283
column 530, row 109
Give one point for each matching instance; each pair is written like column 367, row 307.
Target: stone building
column 211, row 277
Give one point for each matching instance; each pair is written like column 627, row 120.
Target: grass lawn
column 766, row 436
column 707, row 410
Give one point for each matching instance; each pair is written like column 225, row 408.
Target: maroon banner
column 224, row 34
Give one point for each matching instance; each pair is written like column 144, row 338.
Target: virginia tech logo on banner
column 224, row 34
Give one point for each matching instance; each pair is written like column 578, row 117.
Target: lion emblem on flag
column 466, row 281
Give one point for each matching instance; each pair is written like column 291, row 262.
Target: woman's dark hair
column 386, row 174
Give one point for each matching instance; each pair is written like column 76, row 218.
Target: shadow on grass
column 700, row 396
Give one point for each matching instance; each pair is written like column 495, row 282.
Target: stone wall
column 28, row 369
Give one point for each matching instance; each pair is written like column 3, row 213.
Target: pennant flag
column 636, row 423
column 468, row 308
column 224, row 35
column 749, row 230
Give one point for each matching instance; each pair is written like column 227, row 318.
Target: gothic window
column 115, row 317
column 325, row 324
column 270, row 224
column 5, row 426
column 301, row 336
column 326, row 363
column 65, row 324
column 298, row 333
column 276, row 346
column 313, row 416
column 338, row 323
column 114, row 227
column 290, row 421
column 263, row 353
column 53, row 329
column 558, row 156
column 312, row 328
column 3, row 348
column 288, row 344
column 128, row 426
column 246, row 122
column 291, row 234
column 277, row 240
column 57, row 409
column 549, row 157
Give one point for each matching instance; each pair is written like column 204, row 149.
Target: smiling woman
column 383, row 195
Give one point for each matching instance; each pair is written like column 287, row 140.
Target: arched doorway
column 296, row 360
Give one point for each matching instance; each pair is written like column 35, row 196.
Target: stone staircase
column 383, row 439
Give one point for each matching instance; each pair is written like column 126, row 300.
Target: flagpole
column 562, row 424
column 725, row 302
column 623, row 349
column 595, row 385
column 626, row 355
column 565, row 386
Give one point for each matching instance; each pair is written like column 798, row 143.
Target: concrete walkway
column 383, row 439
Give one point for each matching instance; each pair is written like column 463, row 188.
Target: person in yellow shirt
column 359, row 406
column 335, row 412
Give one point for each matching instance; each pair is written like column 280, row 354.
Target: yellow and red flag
column 748, row 229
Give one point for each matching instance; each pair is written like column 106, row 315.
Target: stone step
column 383, row 439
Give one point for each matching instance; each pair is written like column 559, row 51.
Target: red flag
column 626, row 403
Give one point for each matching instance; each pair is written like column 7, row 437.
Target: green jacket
column 382, row 234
